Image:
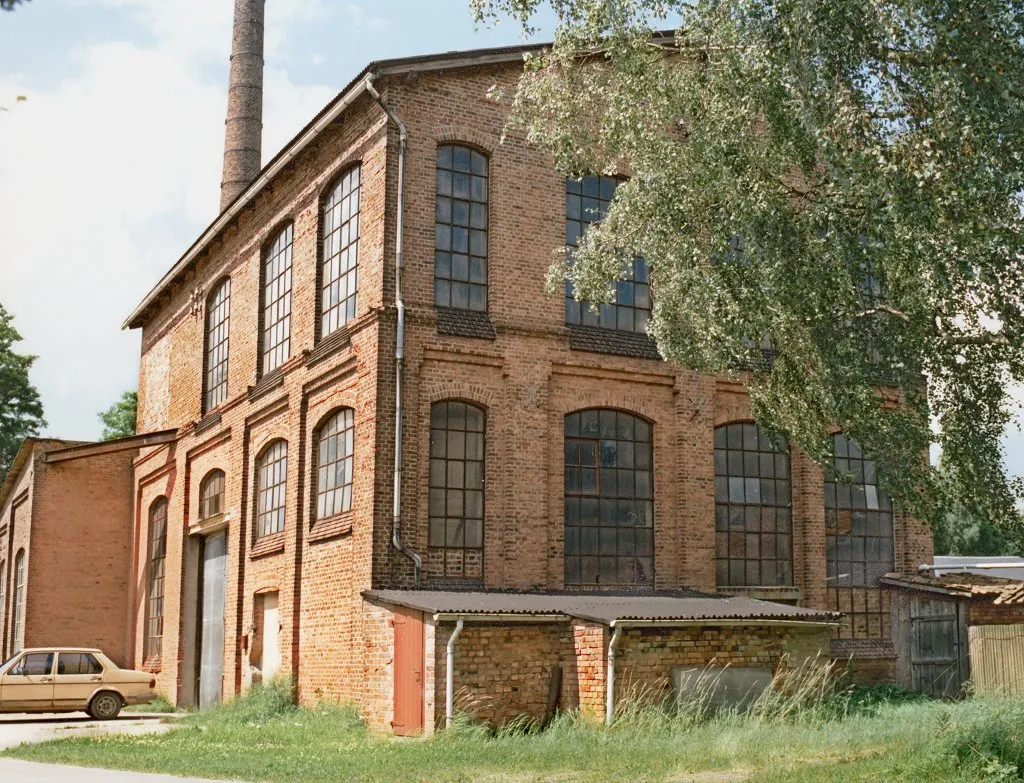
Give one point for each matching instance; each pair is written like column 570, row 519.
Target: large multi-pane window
column 277, row 301
column 457, row 488
column 334, row 463
column 609, row 500
column 339, row 274
column 218, row 307
column 858, row 539
column 211, row 495
column 155, row 577
column 460, row 229
column 18, row 624
column 3, row 603
column 587, row 201
column 271, row 482
column 753, row 508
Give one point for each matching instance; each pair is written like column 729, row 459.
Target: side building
column 563, row 514
column 66, row 543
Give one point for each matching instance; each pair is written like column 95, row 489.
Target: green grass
column 159, row 704
column 845, row 734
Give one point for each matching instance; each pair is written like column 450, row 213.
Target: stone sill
column 267, row 545
column 205, row 527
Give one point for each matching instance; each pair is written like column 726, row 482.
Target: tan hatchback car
column 65, row 679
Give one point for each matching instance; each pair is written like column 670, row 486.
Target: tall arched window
column 339, row 273
column 609, row 500
column 858, row 540
column 18, row 625
column 155, row 580
column 334, row 463
column 211, row 495
column 218, row 307
column 457, row 490
column 753, row 508
column 587, row 201
column 271, row 483
column 277, row 302
column 460, row 248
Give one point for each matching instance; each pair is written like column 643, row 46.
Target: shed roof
column 683, row 606
column 962, row 585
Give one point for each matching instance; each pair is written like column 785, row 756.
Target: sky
column 110, row 167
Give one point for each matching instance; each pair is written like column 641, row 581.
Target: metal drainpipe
column 396, row 528
column 449, row 685
column 609, row 697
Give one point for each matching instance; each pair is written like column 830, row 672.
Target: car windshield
column 8, row 662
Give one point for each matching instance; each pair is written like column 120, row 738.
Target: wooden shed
column 931, row 618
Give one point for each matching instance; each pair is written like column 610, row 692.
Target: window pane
column 271, row 477
column 454, row 240
column 334, row 474
column 340, row 252
column 277, row 307
column 750, row 493
column 216, row 377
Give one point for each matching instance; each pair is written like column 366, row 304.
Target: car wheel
column 105, row 706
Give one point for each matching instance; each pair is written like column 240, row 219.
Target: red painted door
column 408, row 672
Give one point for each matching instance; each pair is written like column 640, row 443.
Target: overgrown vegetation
column 823, row 730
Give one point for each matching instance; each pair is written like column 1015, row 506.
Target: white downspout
column 609, row 696
column 449, row 685
column 396, row 527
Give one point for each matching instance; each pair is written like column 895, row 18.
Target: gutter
column 396, row 527
column 726, row 623
column 958, row 568
column 609, row 695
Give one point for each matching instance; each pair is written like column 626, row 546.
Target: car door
column 28, row 685
column 78, row 675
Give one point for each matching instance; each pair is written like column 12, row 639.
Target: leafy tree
column 840, row 177
column 9, row 5
column 21, row 410
column 119, row 419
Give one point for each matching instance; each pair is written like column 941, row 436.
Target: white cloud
column 105, row 180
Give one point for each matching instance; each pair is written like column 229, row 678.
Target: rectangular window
column 460, row 229
column 155, row 597
column 78, row 663
column 277, row 302
column 217, row 309
column 339, row 279
column 586, row 202
column 271, row 483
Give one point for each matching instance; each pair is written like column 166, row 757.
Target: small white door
column 271, row 637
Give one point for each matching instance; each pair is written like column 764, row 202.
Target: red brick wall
column 988, row 613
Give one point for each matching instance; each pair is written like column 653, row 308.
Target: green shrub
column 986, row 737
column 262, row 703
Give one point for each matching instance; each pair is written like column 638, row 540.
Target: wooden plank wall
column 997, row 659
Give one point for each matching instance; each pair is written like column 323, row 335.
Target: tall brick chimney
column 244, row 126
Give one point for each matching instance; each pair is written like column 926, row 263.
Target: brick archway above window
column 483, row 142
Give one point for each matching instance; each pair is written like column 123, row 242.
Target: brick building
column 66, row 527
column 547, row 452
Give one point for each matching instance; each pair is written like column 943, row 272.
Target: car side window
column 34, row 665
column 78, row 663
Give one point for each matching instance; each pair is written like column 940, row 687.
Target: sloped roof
column 684, row 606
column 965, row 585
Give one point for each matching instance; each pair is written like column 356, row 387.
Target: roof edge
column 110, row 446
column 431, row 62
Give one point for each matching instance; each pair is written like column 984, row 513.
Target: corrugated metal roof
column 965, row 585
column 682, row 606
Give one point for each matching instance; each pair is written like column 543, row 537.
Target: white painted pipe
column 449, row 685
column 609, row 697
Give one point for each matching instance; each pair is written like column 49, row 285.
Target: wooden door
column 938, row 650
column 408, row 672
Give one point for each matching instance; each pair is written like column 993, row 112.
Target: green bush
column 987, row 738
column 261, row 704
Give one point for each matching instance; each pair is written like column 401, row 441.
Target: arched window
column 218, row 307
column 155, row 580
column 277, row 302
column 753, row 508
column 18, row 626
column 460, row 248
column 334, row 463
column 587, row 201
column 211, row 495
column 271, row 483
column 609, row 500
column 339, row 273
column 858, row 539
column 457, row 490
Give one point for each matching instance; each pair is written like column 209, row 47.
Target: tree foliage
column 119, row 419
column 10, row 5
column 21, row 410
column 842, row 178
